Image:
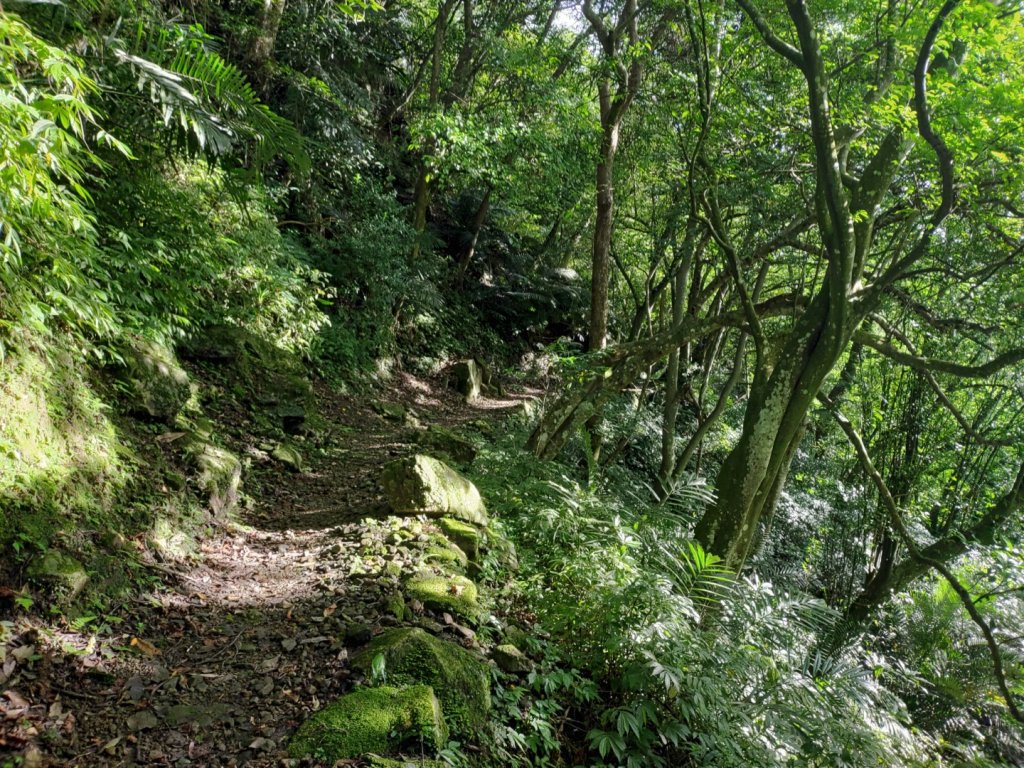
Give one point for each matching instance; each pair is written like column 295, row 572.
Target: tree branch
column 921, row 363
column 775, row 42
column 900, row 527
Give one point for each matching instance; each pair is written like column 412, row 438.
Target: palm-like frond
column 207, row 97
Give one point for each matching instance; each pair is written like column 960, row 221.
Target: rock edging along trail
column 236, row 648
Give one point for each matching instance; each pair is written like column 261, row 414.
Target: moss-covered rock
column 465, row 536
column 441, row 440
column 460, row 680
column 448, row 592
column 423, row 485
column 61, row 571
column 390, row 411
column 372, row 720
column 510, row 659
column 153, row 383
column 219, row 474
column 447, row 556
column 375, row 761
column 274, row 377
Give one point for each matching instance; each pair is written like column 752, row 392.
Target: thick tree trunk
column 269, row 23
column 753, row 473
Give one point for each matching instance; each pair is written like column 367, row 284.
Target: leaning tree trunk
column 753, row 473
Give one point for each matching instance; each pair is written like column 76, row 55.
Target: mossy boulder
column 460, row 679
column 390, row 411
column 382, row 720
column 154, row 385
column 510, row 659
column 219, row 474
column 469, row 378
column 61, row 571
column 441, row 440
column 465, row 536
column 423, row 485
column 273, row 376
column 446, row 555
column 448, row 592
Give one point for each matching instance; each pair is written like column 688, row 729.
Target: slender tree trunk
column 478, row 224
column 600, row 264
column 671, row 410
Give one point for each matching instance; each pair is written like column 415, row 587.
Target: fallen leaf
column 145, row 646
column 16, row 699
column 327, row 611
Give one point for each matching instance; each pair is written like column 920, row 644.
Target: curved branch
column 924, row 120
column 922, row 363
column 915, row 552
column 775, row 42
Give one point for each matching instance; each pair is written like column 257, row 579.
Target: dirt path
column 220, row 662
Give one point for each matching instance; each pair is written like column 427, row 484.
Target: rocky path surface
column 220, row 660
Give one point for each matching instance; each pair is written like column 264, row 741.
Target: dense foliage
column 765, row 258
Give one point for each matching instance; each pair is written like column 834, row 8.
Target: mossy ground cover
column 446, row 592
column 460, row 679
column 383, row 720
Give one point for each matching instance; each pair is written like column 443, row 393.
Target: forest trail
column 222, row 660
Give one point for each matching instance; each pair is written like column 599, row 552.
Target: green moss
column 465, row 536
column 378, row 720
column 61, row 570
column 155, row 385
column 220, row 474
column 446, row 555
column 453, row 593
column 461, row 680
column 375, row 761
column 61, row 465
column 441, row 440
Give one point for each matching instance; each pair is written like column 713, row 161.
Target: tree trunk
column 600, row 264
column 752, row 475
column 478, row 224
column 269, row 23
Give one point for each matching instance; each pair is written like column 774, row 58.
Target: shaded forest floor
column 227, row 652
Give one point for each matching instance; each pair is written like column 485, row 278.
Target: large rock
column 383, row 720
column 219, row 474
column 510, row 659
column 460, row 679
column 423, row 485
column 465, row 536
column 273, row 377
column 469, row 378
column 155, row 386
column 62, row 572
